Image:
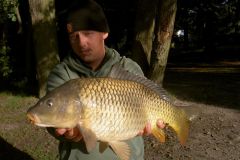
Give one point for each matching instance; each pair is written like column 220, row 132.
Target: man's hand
column 72, row 134
column 148, row 130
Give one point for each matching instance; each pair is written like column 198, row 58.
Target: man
column 87, row 28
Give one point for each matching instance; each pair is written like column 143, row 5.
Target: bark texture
column 153, row 33
column 44, row 39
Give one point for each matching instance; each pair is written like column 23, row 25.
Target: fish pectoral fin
column 159, row 134
column 121, row 148
column 103, row 146
column 89, row 138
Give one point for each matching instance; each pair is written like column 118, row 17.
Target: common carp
column 110, row 110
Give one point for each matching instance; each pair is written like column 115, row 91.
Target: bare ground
column 214, row 135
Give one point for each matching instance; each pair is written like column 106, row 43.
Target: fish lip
column 36, row 121
column 44, row 125
column 33, row 118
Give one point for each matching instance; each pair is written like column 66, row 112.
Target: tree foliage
column 206, row 23
column 7, row 12
column 5, row 69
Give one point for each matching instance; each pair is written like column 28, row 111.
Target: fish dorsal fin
column 89, row 137
column 121, row 149
column 119, row 73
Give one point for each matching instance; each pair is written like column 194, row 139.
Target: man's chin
column 84, row 55
column 86, row 58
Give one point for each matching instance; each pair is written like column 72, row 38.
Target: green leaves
column 5, row 69
column 8, row 13
column 7, row 10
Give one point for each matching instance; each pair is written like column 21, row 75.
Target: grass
column 11, row 101
column 18, row 138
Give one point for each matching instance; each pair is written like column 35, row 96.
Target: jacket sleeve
column 57, row 77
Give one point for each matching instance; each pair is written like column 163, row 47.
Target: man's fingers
column 160, row 124
column 73, row 134
column 78, row 137
column 70, row 133
column 147, row 129
column 141, row 133
column 60, row 131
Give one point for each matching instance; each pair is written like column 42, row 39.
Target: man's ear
column 105, row 35
column 69, row 28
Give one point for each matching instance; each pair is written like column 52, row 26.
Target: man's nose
column 81, row 38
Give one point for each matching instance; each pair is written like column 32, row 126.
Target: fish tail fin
column 181, row 126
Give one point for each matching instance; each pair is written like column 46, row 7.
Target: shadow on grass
column 220, row 89
column 20, row 87
column 8, row 152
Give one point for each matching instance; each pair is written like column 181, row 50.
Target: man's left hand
column 148, row 129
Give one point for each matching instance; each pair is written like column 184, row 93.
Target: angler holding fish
column 100, row 116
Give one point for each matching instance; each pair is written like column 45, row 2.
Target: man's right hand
column 72, row 134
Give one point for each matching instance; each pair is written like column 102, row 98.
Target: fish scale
column 127, row 110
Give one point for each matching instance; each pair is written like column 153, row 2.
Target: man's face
column 88, row 45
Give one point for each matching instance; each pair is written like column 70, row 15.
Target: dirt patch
column 214, row 135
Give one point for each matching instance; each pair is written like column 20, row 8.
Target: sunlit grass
column 19, row 133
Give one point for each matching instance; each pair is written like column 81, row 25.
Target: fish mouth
column 36, row 121
column 32, row 118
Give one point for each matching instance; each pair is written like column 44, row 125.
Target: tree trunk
column 153, row 33
column 163, row 31
column 144, row 28
column 44, row 39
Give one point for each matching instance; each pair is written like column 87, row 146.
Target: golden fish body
column 118, row 109
column 109, row 110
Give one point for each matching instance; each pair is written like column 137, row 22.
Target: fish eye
column 49, row 103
